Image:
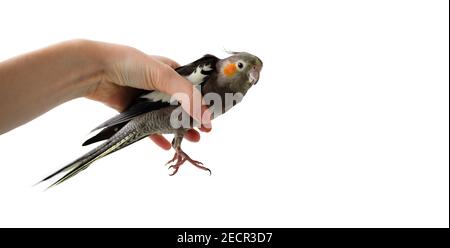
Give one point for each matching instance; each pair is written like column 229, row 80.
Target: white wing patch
column 156, row 96
column 196, row 78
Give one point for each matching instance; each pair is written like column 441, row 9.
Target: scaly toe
column 196, row 162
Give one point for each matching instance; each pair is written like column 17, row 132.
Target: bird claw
column 199, row 164
column 180, row 157
column 175, row 171
column 175, row 156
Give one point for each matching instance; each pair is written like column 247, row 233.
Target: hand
column 127, row 69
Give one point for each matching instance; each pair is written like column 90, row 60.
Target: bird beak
column 253, row 75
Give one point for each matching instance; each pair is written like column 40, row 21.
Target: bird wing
column 196, row 72
column 139, row 106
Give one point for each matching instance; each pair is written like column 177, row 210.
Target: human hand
column 127, row 69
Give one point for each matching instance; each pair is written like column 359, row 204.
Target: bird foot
column 180, row 157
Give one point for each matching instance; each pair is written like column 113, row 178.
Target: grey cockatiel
column 152, row 112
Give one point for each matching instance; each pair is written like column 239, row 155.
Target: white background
column 348, row 126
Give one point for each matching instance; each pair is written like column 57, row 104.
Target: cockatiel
column 152, row 111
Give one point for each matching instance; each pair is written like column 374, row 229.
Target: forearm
column 34, row 83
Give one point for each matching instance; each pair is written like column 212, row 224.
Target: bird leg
column 180, row 157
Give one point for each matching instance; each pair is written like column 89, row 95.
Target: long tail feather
column 114, row 144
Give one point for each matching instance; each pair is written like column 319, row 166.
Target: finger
column 192, row 135
column 206, row 119
column 166, row 61
column 161, row 141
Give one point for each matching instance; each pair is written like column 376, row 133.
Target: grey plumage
column 146, row 117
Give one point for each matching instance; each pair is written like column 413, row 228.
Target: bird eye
column 240, row 65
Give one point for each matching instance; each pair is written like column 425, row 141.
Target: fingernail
column 205, row 129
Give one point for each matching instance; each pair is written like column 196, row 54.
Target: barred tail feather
column 110, row 146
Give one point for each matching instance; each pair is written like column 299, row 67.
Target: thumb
column 183, row 91
column 173, row 64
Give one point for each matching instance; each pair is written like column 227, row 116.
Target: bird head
column 239, row 72
column 235, row 76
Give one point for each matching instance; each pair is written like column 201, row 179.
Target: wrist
column 91, row 60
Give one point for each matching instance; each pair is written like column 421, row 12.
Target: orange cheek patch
column 229, row 70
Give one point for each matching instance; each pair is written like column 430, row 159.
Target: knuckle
column 166, row 75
